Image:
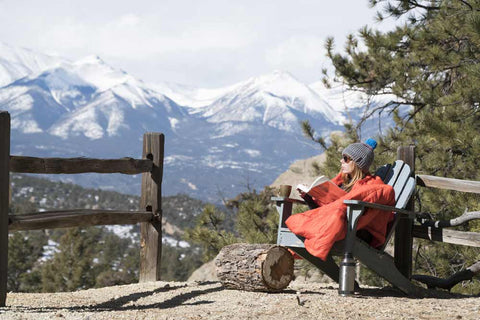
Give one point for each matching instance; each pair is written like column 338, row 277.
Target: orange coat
column 324, row 226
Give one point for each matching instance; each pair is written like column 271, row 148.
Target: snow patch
column 175, row 158
column 189, row 184
column 173, row 122
column 189, row 96
column 252, row 153
column 174, row 242
column 96, row 72
column 49, row 250
column 228, row 129
column 25, row 126
column 123, row 231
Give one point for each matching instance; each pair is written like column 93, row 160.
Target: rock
column 299, row 172
column 205, row 273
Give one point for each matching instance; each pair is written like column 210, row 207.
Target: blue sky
column 207, row 43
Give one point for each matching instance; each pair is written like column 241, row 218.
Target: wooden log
column 448, row 183
column 79, row 165
column 75, row 218
column 4, row 192
column 151, row 200
column 403, row 231
column 464, row 238
column 254, row 267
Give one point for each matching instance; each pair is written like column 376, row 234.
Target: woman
column 323, row 226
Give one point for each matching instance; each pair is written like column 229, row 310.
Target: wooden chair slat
column 407, row 192
column 394, row 173
column 402, row 179
column 404, row 186
column 401, row 203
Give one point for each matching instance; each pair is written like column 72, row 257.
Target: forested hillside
column 74, row 258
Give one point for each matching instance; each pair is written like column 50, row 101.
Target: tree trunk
column 255, row 267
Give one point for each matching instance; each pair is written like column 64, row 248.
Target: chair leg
column 383, row 265
column 329, row 267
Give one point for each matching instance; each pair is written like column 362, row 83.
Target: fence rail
column 448, row 183
column 79, row 165
column 463, row 238
column 75, row 218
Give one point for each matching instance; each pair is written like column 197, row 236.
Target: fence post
column 403, row 232
column 151, row 200
column 4, row 197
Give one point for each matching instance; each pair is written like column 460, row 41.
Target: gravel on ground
column 209, row 300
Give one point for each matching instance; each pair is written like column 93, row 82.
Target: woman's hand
column 302, row 194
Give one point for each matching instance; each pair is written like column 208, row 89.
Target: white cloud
column 129, row 20
column 139, row 37
column 302, row 51
column 207, row 43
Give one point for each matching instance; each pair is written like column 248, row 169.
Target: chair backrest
column 397, row 175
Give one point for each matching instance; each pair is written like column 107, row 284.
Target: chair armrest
column 284, row 209
column 355, row 209
column 282, row 199
column 410, row 214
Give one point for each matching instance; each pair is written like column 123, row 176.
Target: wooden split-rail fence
column 149, row 215
column 437, row 231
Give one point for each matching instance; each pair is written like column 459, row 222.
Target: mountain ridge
column 16, row 63
column 247, row 134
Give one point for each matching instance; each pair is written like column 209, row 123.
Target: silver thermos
column 347, row 276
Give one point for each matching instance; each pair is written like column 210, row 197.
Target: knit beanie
column 361, row 153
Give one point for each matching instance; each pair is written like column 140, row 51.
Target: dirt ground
column 209, row 300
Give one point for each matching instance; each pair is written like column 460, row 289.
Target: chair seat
column 289, row 239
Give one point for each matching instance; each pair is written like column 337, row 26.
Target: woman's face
column 347, row 164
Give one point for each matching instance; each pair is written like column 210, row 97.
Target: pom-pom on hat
column 361, row 153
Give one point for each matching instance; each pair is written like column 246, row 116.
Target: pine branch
column 310, row 133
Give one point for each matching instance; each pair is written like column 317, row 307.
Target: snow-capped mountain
column 355, row 105
column 190, row 96
column 276, row 100
column 338, row 97
column 16, row 63
column 347, row 101
column 86, row 98
column 218, row 141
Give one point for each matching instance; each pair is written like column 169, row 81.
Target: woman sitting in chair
column 323, row 226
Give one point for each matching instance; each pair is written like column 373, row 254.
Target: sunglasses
column 346, row 159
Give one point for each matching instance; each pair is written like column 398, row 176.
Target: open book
column 322, row 191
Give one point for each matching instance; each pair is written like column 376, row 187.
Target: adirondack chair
column 398, row 175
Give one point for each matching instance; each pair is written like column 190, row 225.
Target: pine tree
column 430, row 66
column 257, row 219
column 25, row 248
column 178, row 263
column 72, row 267
column 256, row 222
column 113, row 260
column 209, row 232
